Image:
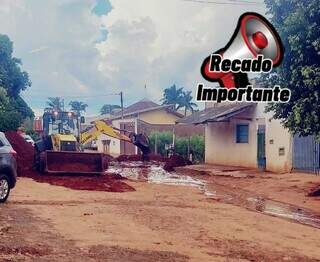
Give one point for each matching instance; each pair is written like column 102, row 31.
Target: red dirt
column 125, row 158
column 106, row 182
column 175, row 161
column 158, row 158
column 152, row 157
column 75, row 162
column 314, row 192
column 170, row 163
column 72, row 167
column 25, row 151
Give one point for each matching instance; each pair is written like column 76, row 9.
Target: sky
column 90, row 50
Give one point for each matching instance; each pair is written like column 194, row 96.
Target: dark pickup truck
column 8, row 168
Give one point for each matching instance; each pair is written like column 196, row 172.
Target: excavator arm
column 100, row 127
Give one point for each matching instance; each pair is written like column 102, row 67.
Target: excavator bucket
column 67, row 162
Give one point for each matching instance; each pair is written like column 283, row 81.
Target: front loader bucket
column 66, row 162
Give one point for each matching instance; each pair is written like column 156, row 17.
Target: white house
column 242, row 134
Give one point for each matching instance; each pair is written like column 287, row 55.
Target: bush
column 196, row 146
column 162, row 139
column 9, row 120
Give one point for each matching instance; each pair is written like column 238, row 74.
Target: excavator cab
column 62, row 142
column 58, row 152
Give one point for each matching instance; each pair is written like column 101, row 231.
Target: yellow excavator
column 61, row 152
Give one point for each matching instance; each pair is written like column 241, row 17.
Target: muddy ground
column 157, row 222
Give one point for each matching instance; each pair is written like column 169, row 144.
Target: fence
column 306, row 154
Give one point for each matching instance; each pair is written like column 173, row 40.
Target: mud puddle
column 153, row 172
column 283, row 210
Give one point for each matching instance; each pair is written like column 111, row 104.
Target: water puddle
column 154, row 173
column 283, row 210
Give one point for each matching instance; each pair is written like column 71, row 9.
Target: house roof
column 216, row 114
column 140, row 105
column 144, row 105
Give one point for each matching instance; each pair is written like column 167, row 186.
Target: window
column 1, row 143
column 242, row 135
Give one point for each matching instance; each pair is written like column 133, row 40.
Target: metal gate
column 127, row 148
column 306, row 154
column 261, row 150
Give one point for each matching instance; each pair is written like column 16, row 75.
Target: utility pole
column 121, row 99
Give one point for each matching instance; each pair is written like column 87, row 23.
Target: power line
column 224, row 3
column 84, row 96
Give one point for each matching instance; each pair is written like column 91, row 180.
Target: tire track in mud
column 154, row 173
column 25, row 237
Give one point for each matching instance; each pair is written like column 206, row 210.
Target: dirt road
column 42, row 222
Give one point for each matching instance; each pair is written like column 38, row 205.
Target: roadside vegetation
column 297, row 22
column 13, row 80
column 160, row 142
column 180, row 98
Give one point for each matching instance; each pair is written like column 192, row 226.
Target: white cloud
column 37, row 50
column 153, row 42
column 164, row 42
column 56, row 42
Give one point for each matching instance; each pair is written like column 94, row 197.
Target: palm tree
column 186, row 102
column 78, row 107
column 55, row 103
column 172, row 96
column 108, row 109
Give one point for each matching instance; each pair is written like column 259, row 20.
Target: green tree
column 55, row 103
column 4, row 99
column 298, row 24
column 10, row 119
column 108, row 109
column 22, row 107
column 186, row 102
column 179, row 98
column 78, row 107
column 172, row 96
column 12, row 80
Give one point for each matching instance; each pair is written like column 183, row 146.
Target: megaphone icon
column 253, row 36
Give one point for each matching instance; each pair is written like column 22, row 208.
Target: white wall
column 221, row 147
column 278, row 137
column 115, row 143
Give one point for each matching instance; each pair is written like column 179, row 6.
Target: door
column 106, row 146
column 125, row 147
column 261, row 150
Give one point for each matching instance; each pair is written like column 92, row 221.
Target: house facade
column 134, row 118
column 242, row 134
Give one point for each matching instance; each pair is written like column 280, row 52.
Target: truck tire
column 4, row 188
